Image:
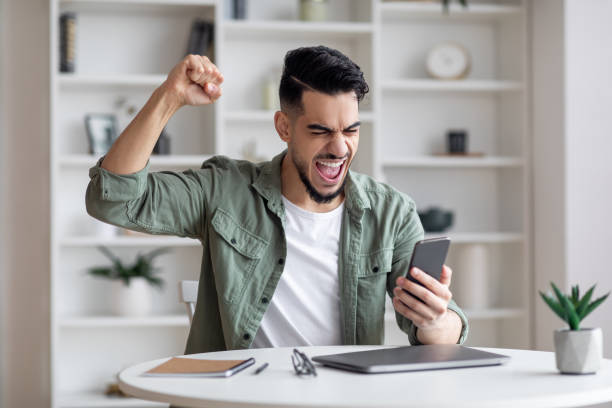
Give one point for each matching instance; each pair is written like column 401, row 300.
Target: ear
column 282, row 125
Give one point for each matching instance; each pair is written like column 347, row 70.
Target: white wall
column 2, row 208
column 572, row 128
column 549, row 158
column 25, row 203
column 588, row 124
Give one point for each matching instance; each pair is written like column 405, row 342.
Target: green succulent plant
column 572, row 308
column 141, row 268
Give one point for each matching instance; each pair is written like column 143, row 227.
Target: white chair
column 188, row 294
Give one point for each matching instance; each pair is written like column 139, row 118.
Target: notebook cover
column 193, row 366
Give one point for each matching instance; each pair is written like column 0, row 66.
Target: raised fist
column 195, row 81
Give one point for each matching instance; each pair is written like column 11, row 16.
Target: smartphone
column 429, row 255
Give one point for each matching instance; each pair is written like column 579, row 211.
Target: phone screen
column 429, row 256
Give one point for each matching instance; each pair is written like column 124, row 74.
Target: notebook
column 193, row 367
column 411, row 358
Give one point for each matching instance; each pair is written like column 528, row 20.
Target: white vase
column 578, row 351
column 133, row 300
column 471, row 277
column 105, row 230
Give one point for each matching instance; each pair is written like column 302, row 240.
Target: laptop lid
column 411, row 358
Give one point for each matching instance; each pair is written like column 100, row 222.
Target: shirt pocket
column 372, row 276
column 235, row 255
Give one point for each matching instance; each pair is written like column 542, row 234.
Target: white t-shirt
column 305, row 307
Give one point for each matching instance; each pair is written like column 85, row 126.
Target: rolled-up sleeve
column 410, row 233
column 171, row 203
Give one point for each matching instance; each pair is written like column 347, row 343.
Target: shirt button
column 375, row 269
column 233, row 241
column 246, row 336
column 281, row 261
column 264, row 300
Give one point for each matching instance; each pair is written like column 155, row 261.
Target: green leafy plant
column 572, row 308
column 141, row 268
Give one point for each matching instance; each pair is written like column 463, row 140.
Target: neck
column 295, row 191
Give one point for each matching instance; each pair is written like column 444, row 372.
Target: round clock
column 448, row 61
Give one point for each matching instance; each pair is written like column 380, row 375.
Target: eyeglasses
column 302, row 364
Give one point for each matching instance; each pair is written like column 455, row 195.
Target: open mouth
column 330, row 170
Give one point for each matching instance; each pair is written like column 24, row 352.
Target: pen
column 260, row 369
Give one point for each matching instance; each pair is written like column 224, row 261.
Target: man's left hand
column 431, row 316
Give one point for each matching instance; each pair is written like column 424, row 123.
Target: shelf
column 119, row 321
column 126, row 241
column 444, row 161
column 268, row 116
column 144, row 2
column 99, row 400
column 94, row 6
column 296, row 29
column 187, row 161
column 461, row 85
column 476, row 314
column 408, row 10
column 479, row 237
column 116, row 80
column 493, row 313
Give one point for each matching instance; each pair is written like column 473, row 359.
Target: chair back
column 188, row 294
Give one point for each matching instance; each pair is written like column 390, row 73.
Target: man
column 298, row 250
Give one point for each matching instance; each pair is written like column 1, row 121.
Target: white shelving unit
column 488, row 194
column 117, row 322
column 125, row 49
column 404, row 118
column 467, row 85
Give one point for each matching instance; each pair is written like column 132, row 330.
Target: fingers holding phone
column 426, row 303
column 423, row 294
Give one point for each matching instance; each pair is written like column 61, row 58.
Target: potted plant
column 577, row 350
column 131, row 294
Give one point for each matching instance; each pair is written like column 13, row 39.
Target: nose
column 337, row 145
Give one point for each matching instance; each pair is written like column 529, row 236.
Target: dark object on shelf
column 436, row 219
column 67, row 42
column 162, row 146
column 239, row 9
column 101, row 131
column 201, row 37
column 457, row 141
column 445, row 4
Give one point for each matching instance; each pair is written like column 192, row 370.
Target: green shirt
column 235, row 209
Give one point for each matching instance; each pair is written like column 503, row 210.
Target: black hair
column 321, row 69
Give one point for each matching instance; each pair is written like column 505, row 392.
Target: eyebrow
column 316, row 126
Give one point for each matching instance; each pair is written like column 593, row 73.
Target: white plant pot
column 133, row 300
column 578, row 351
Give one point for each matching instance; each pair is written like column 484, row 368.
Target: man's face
column 323, row 142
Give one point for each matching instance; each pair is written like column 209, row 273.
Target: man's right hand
column 194, row 81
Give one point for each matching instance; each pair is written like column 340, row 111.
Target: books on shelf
column 201, row 38
column 67, row 31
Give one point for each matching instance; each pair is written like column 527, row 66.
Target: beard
column 312, row 192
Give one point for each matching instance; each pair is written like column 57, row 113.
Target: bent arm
column 193, row 81
column 411, row 232
column 169, row 203
column 132, row 149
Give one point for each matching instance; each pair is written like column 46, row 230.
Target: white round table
column 529, row 379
